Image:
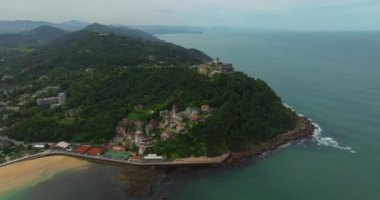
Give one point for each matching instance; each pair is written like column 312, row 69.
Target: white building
column 62, row 98
column 47, row 101
column 38, row 146
column 59, row 100
column 62, row 145
column 153, row 157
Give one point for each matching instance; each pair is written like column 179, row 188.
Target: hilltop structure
column 215, row 67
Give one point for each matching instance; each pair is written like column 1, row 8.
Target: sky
column 316, row 15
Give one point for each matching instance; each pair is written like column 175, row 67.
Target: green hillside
column 106, row 75
column 85, row 48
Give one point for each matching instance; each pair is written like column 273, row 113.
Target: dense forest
column 247, row 109
column 106, row 75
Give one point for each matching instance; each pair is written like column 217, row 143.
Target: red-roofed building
column 82, row 149
column 95, row 151
column 205, row 108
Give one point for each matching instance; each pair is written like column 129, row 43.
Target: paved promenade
column 177, row 162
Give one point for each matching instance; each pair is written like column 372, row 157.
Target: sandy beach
column 34, row 171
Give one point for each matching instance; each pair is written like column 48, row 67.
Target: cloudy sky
column 267, row 14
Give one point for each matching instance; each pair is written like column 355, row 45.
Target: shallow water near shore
column 330, row 77
column 16, row 179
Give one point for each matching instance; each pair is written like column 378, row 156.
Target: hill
column 73, row 25
column 161, row 29
column 91, row 46
column 41, row 34
column 16, row 45
column 107, row 77
column 121, row 31
column 21, row 25
column 248, row 111
column 27, row 25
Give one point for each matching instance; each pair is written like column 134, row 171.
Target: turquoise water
column 333, row 78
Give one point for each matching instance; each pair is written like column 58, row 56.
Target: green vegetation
column 84, row 49
column 121, row 31
column 2, row 158
column 126, row 72
column 138, row 115
column 31, row 38
column 248, row 110
column 16, row 152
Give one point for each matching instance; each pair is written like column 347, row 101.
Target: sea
column 331, row 77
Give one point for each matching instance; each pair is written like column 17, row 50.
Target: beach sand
column 33, row 171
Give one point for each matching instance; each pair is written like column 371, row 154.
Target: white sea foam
column 328, row 141
column 284, row 145
column 292, row 109
column 323, row 141
column 287, row 105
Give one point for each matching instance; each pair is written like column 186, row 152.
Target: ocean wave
column 321, row 140
column 328, row 141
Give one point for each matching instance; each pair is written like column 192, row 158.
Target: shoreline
column 304, row 128
column 28, row 173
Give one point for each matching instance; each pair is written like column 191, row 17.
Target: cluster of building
column 136, row 133
column 175, row 121
column 110, row 150
column 23, row 99
column 215, row 67
column 144, row 134
column 17, row 97
column 52, row 101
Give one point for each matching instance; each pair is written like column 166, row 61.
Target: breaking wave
column 324, row 141
column 328, row 141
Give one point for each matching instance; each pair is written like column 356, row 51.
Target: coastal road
column 178, row 162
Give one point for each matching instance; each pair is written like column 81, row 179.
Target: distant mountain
column 26, row 25
column 102, row 45
column 121, row 31
column 21, row 25
column 73, row 25
column 41, row 34
column 46, row 32
column 161, row 29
